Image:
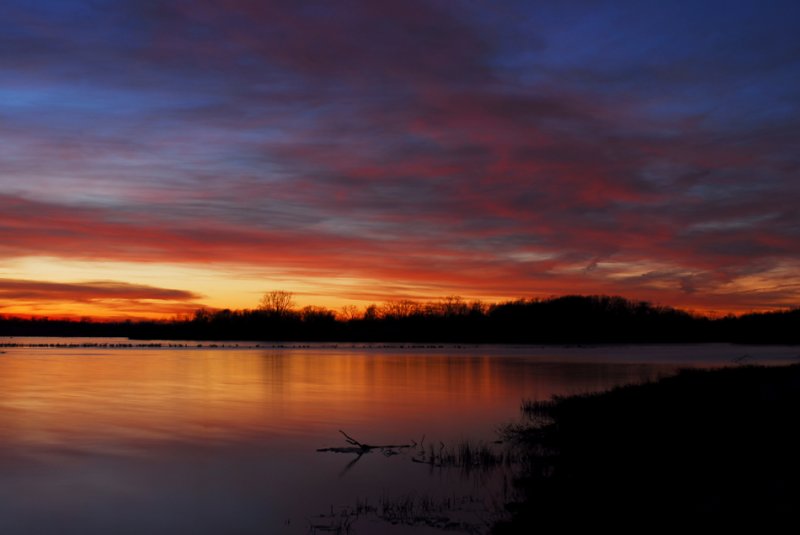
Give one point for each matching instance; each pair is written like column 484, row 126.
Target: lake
column 164, row 440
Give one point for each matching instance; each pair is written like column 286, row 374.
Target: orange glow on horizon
column 71, row 312
column 78, row 289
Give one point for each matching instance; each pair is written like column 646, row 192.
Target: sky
column 161, row 156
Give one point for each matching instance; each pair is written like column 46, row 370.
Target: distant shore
column 556, row 321
column 719, row 444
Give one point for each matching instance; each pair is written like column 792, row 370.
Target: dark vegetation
column 569, row 319
column 719, row 445
column 466, row 455
column 460, row 514
column 472, row 513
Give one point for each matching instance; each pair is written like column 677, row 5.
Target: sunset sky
column 160, row 156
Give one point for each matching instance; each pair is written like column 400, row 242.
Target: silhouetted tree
column 371, row 312
column 400, row 309
column 453, row 305
column 349, row 313
column 477, row 309
column 277, row 302
column 202, row 315
column 314, row 313
column 567, row 319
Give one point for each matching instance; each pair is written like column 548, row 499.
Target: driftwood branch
column 354, row 442
column 360, row 448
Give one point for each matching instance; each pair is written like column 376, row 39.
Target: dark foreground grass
column 719, row 445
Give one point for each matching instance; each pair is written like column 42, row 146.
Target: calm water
column 223, row 440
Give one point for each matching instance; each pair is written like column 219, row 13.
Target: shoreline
column 710, row 443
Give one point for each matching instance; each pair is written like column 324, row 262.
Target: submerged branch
column 361, row 448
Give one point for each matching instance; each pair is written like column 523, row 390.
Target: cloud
column 429, row 147
column 31, row 290
column 109, row 299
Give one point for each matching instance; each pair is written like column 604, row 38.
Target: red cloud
column 29, row 290
column 388, row 141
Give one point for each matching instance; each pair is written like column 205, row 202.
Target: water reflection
column 210, row 440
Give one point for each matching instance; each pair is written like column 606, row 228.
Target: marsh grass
column 461, row 514
column 468, row 456
column 489, row 464
column 720, row 443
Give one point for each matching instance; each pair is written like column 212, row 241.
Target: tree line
column 572, row 319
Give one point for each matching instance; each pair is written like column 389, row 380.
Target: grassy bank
column 722, row 444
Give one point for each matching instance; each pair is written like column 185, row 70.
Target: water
column 223, row 440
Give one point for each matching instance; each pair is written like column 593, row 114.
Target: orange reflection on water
column 127, row 398
column 211, row 441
